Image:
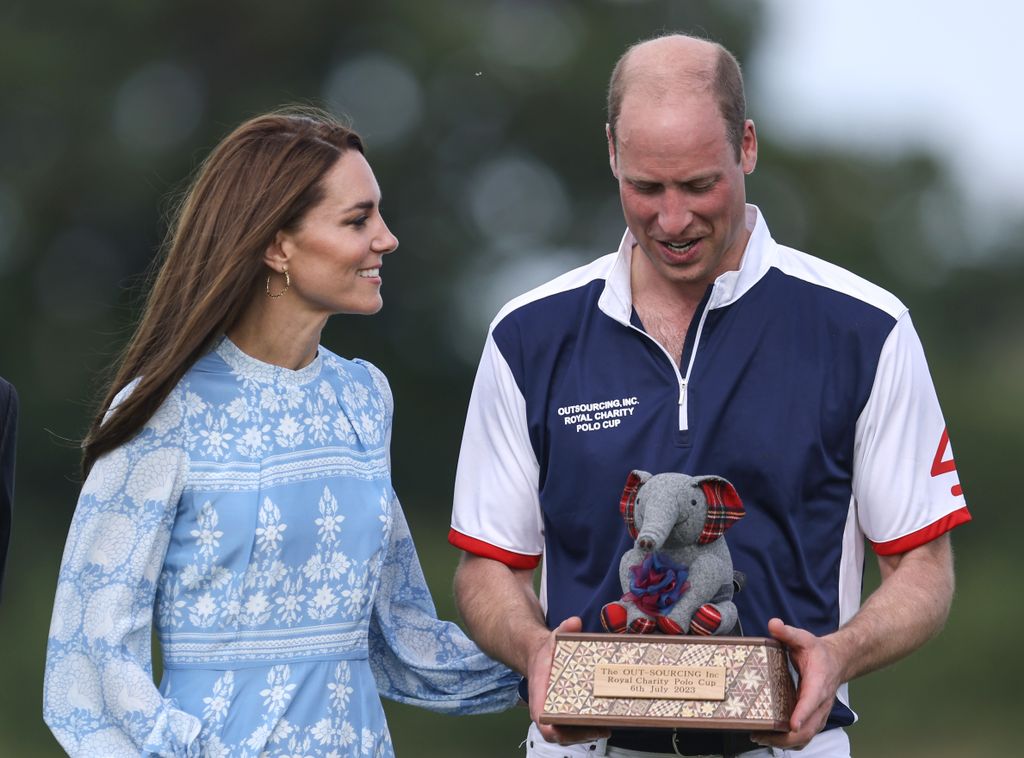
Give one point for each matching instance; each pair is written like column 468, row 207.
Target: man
column 703, row 346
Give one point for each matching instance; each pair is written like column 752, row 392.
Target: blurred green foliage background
column 484, row 123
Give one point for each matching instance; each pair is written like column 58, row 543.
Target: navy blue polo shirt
column 802, row 384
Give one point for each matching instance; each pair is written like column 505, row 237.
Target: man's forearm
column 908, row 608
column 500, row 609
column 504, row 617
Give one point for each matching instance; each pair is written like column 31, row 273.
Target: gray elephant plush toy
column 678, row 577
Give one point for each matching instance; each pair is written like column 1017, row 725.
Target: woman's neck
column 276, row 336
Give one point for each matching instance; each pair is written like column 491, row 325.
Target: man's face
column 682, row 189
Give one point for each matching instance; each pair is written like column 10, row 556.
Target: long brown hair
column 260, row 179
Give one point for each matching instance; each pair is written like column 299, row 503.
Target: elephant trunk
column 657, row 525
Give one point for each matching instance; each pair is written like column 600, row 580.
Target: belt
column 682, row 741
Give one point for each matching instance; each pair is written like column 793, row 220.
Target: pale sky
column 884, row 75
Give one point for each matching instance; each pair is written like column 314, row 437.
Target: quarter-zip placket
column 683, row 379
column 684, row 419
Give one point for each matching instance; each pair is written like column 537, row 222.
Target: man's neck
column 665, row 308
column 666, row 321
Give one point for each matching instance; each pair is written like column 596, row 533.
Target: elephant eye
column 693, row 502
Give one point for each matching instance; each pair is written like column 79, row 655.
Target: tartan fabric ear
column 724, row 507
column 627, row 503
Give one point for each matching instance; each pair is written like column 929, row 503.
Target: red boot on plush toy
column 678, row 577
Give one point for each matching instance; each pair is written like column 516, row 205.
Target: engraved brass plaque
column 669, row 682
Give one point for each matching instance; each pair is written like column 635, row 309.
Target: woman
column 238, row 489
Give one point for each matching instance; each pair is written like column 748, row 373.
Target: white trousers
column 831, row 744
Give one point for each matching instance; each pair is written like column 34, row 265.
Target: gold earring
column 287, row 283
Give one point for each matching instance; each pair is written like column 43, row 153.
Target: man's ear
column 610, row 136
column 277, row 255
column 748, row 147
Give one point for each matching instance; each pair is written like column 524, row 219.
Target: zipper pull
column 684, row 423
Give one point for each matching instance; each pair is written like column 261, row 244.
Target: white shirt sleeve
column 904, row 479
column 497, row 506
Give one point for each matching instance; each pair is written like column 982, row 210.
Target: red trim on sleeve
column 922, row 536
column 487, row 550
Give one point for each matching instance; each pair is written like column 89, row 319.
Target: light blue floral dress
column 254, row 519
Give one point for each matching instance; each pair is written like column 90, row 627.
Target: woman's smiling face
column 334, row 257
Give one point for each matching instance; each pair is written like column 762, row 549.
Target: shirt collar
column 617, row 298
column 759, row 255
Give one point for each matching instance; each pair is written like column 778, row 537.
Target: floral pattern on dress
column 254, row 522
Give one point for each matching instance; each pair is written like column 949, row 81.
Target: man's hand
column 821, row 673
column 538, row 674
column 908, row 607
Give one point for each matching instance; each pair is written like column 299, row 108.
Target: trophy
column 669, row 660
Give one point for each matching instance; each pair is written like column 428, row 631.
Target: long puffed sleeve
column 99, row 697
column 417, row 658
